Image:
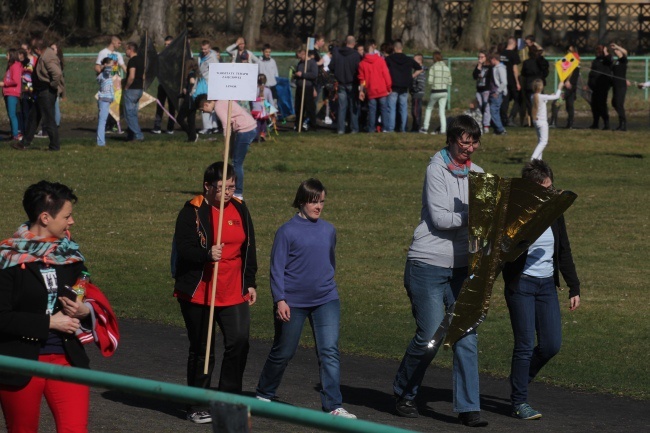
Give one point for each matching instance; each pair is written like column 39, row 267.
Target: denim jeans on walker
column 432, row 290
column 397, row 101
column 534, row 310
column 131, row 100
column 243, row 141
column 103, row 107
column 348, row 102
column 495, row 112
column 372, row 112
column 324, row 320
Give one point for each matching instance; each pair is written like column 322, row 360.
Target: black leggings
column 618, row 102
column 234, row 323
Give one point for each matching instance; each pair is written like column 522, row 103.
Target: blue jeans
column 534, row 310
column 324, row 320
column 243, row 141
column 131, row 99
column 11, row 102
column 372, row 112
column 103, row 107
column 432, row 290
column 495, row 112
column 348, row 101
column 397, row 101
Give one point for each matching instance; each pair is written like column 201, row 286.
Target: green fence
column 189, row 395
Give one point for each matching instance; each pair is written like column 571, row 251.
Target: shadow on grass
column 626, row 155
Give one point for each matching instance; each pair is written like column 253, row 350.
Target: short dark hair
column 309, row 190
column 106, row 60
column 214, row 173
column 133, row 46
column 460, row 125
column 205, row 42
column 169, row 38
column 200, row 100
column 537, row 171
column 266, row 47
column 47, row 197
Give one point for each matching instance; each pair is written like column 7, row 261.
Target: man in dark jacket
column 306, row 105
column 403, row 69
column 345, row 65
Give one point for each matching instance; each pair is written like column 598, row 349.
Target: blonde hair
column 538, row 86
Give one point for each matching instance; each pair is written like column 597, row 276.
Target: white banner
column 232, row 82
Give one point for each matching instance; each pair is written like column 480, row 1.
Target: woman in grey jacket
column 436, row 267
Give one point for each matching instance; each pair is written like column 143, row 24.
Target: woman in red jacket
column 375, row 86
column 11, row 90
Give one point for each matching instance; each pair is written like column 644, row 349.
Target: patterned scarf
column 25, row 247
column 456, row 170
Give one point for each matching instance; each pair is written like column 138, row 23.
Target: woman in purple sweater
column 303, row 287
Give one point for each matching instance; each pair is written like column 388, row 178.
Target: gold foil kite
column 505, row 217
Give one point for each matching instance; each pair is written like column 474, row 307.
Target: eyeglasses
column 467, row 144
column 219, row 189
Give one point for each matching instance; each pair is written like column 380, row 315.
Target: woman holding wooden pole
column 194, row 254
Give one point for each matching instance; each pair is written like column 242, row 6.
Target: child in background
column 104, row 98
column 539, row 114
column 474, row 111
column 417, row 94
column 11, row 90
column 261, row 107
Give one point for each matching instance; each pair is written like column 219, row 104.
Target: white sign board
column 232, row 82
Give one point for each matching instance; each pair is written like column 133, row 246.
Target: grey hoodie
column 441, row 238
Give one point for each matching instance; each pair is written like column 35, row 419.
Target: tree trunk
column 69, row 14
column 152, row 18
column 231, row 13
column 253, row 20
column 379, row 21
column 331, row 18
column 343, row 23
column 476, row 34
column 602, row 21
column 421, row 28
column 532, row 18
column 112, row 13
column 87, row 20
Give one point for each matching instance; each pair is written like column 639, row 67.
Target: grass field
column 130, row 196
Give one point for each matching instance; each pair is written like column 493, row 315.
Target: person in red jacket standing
column 376, row 84
column 11, row 86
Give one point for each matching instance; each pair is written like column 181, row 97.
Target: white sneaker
column 342, row 413
column 199, row 417
column 170, row 131
column 156, row 131
column 204, row 131
column 423, row 131
column 328, row 120
column 263, row 398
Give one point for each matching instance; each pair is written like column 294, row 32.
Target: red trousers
column 68, row 402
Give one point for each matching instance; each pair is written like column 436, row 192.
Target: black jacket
column 345, row 65
column 401, row 69
column 600, row 79
column 24, row 326
column 193, row 239
column 562, row 262
column 309, row 76
column 533, row 69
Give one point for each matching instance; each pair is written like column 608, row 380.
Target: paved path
column 159, row 352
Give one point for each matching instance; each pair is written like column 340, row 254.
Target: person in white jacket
column 240, row 54
column 538, row 102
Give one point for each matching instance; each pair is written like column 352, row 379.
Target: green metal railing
column 189, row 395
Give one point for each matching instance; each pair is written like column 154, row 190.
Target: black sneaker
column 504, row 132
column 406, row 408
column 471, row 419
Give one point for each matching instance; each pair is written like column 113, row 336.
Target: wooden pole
column 304, row 82
column 219, row 230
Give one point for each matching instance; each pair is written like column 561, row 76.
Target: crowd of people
column 357, row 87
